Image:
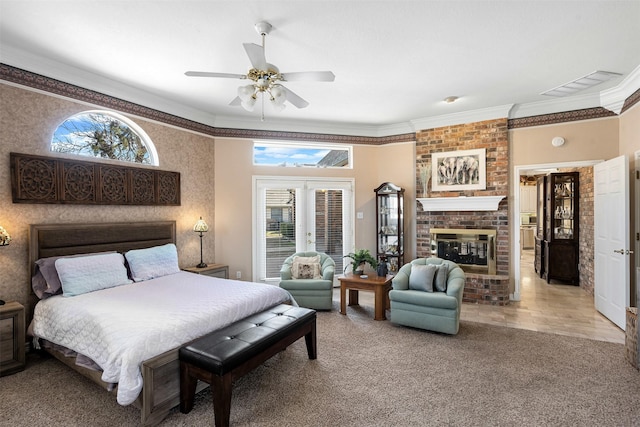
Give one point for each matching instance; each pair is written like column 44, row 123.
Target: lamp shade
column 5, row 238
column 201, row 226
column 248, row 104
column 246, row 92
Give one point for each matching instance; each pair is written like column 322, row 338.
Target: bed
column 140, row 369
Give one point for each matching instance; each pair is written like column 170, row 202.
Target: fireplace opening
column 474, row 250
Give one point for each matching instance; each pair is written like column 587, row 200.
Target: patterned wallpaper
column 27, row 122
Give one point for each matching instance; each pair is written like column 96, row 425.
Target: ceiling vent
column 582, row 83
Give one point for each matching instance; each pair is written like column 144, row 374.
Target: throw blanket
column 121, row 327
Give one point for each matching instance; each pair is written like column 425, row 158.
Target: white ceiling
column 394, row 61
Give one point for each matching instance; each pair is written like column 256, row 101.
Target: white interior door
column 611, row 229
column 294, row 215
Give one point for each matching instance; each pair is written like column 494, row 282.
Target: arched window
column 106, row 135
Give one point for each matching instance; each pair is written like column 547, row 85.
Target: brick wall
column 586, row 237
column 492, row 136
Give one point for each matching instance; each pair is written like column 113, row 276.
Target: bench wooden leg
column 187, row 388
column 221, row 391
column 311, row 341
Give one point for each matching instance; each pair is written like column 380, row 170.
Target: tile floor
column 554, row 308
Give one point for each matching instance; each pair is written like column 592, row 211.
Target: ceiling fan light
column 278, row 95
column 246, row 92
column 249, row 103
column 278, row 106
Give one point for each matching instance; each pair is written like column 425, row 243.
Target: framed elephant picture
column 459, row 170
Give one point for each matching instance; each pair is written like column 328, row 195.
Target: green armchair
column 317, row 292
column 435, row 311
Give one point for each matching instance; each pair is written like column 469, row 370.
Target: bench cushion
column 221, row 351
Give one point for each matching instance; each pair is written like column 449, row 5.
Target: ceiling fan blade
column 208, row 74
column 295, row 99
column 256, row 56
column 236, row 102
column 309, row 76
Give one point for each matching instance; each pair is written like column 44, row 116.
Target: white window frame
column 144, row 138
column 305, row 145
column 303, row 214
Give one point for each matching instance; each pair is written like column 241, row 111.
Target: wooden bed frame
column 161, row 374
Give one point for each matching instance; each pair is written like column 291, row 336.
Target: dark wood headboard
column 46, row 240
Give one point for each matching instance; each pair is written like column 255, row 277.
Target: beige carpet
column 372, row 373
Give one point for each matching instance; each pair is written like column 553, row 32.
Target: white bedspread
column 121, row 327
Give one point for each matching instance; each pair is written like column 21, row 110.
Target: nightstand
column 213, row 270
column 12, row 357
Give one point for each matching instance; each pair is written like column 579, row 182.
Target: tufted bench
column 225, row 355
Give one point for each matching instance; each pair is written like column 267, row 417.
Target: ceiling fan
column 266, row 78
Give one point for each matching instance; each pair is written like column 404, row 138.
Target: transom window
column 297, row 155
column 106, row 135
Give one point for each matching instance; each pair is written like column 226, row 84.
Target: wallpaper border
column 47, row 84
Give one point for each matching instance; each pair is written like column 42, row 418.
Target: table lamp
column 201, row 227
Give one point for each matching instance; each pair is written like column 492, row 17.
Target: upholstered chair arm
column 455, row 284
column 400, row 281
column 285, row 272
column 328, row 272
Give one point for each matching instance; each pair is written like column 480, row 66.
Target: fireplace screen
column 472, row 249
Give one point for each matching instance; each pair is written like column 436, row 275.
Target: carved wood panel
column 39, row 179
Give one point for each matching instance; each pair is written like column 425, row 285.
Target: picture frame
column 459, row 170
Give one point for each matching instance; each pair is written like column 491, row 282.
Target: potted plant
column 358, row 260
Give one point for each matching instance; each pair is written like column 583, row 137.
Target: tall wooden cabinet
column 390, row 225
column 560, row 226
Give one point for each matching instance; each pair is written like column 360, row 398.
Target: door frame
column 344, row 184
column 515, row 212
column 634, row 185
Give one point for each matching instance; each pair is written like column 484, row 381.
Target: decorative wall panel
column 38, row 179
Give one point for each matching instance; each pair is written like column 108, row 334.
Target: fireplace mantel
column 445, row 204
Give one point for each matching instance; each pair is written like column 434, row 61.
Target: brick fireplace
column 462, row 213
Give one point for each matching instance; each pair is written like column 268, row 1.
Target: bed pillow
column 45, row 281
column 421, row 277
column 80, row 275
column 306, row 267
column 153, row 262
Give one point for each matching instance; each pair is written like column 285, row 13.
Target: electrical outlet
column 238, row 275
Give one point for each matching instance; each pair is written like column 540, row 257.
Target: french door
column 300, row 214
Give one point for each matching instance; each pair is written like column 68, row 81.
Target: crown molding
column 462, row 117
column 100, row 84
column 556, row 105
column 60, row 77
column 614, row 99
column 276, row 125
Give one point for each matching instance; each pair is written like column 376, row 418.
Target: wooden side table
column 380, row 286
column 213, row 270
column 12, row 356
